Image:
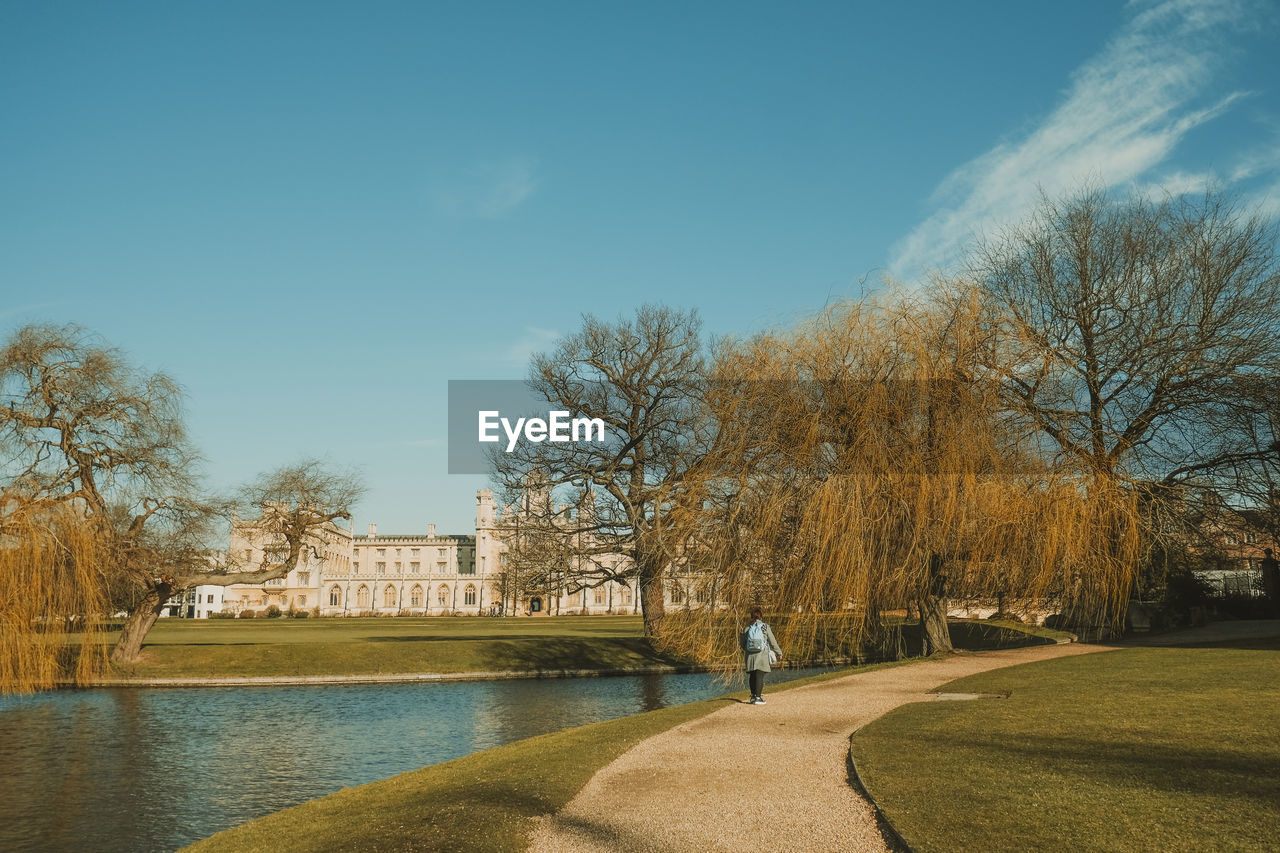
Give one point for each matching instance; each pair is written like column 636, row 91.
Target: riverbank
column 236, row 653
column 486, row 801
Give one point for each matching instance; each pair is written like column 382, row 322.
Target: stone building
column 427, row 574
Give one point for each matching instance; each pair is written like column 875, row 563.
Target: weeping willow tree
column 865, row 466
column 52, row 573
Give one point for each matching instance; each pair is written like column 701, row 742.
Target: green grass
column 198, row 648
column 191, row 648
column 1142, row 749
column 486, row 801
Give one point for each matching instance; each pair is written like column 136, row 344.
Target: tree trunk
column 128, row 648
column 935, row 633
column 649, row 569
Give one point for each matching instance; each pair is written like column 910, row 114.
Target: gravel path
column 683, row 790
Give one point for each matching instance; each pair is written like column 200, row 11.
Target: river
column 144, row 769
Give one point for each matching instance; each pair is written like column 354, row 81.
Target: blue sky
column 313, row 215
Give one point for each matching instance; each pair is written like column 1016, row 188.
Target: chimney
column 431, row 531
column 373, row 529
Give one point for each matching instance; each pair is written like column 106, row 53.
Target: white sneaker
column 759, row 700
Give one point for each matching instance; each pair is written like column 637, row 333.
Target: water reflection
column 142, row 770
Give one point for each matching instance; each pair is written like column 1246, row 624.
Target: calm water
column 152, row 769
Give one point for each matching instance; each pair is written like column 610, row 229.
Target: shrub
column 223, row 614
column 300, row 614
column 273, row 612
column 248, row 614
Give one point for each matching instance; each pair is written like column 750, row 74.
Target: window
column 442, row 595
column 397, row 552
column 381, row 568
column 677, row 594
column 399, row 571
column 440, row 568
column 302, row 601
column 599, row 596
column 415, row 568
column 469, row 595
column 626, row 595
column 413, row 552
column 441, row 552
column 335, row 596
column 276, row 581
column 702, row 596
column 362, row 596
column 210, row 601
column 304, row 578
column 355, row 568
column 382, row 552
column 468, row 569
column 389, row 597
column 415, row 596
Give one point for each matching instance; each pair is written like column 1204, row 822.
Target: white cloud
column 487, row 190
column 532, row 341
column 1123, row 114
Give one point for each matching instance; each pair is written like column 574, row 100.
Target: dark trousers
column 757, row 682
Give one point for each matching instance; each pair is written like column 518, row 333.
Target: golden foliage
column 52, row 594
column 865, row 463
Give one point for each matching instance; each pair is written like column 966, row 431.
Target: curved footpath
column 758, row 777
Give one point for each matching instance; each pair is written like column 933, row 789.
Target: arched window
column 469, row 596
column 415, row 596
column 442, row 595
column 677, row 594
column 703, row 596
column 389, row 597
column 335, row 596
column 362, row 596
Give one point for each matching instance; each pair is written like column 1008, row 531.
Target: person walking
column 761, row 650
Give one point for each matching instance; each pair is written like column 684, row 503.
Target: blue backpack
column 755, row 637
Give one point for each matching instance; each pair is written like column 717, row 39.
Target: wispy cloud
column 1124, row 112
column 532, row 341
column 487, row 190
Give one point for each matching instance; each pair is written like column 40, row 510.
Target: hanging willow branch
column 866, row 467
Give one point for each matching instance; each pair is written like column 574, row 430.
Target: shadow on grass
column 1187, row 769
column 549, row 654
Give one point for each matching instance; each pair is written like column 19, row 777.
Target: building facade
column 420, row 574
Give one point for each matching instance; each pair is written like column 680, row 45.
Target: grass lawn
column 486, row 801
column 1140, row 749
column 364, row 646
column 198, row 648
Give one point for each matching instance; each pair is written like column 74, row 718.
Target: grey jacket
column 759, row 660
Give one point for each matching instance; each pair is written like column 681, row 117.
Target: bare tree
column 91, row 442
column 1135, row 331
column 291, row 511
column 641, row 377
column 96, row 443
